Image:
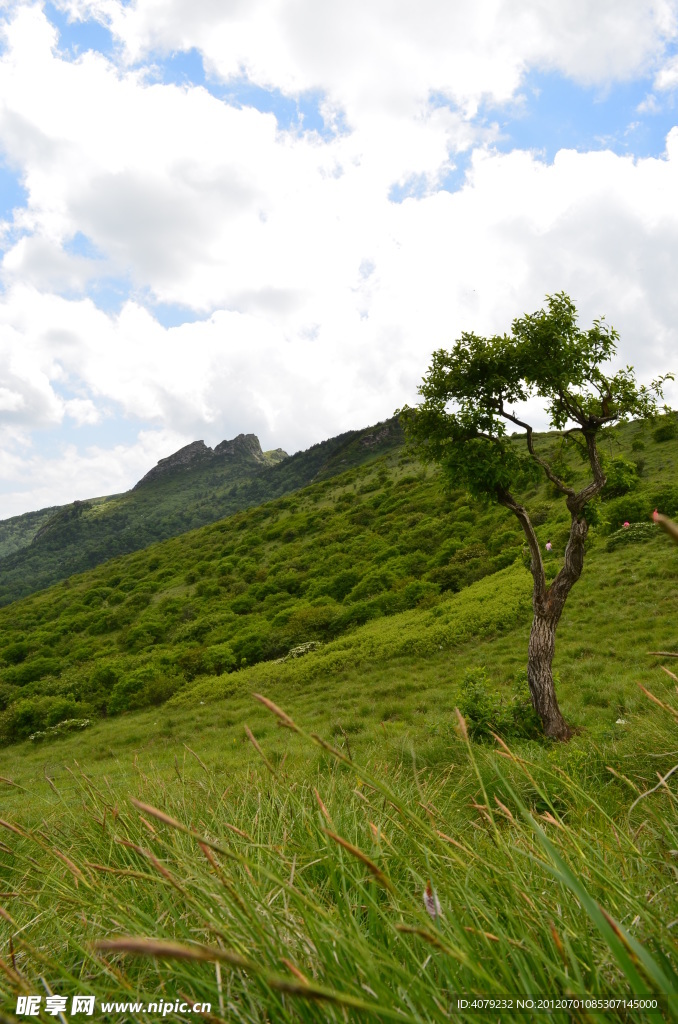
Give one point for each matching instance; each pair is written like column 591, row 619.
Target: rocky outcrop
column 243, row 451
column 242, row 448
column 192, row 455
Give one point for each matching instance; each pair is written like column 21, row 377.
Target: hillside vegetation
column 377, row 859
column 42, row 548
column 375, row 542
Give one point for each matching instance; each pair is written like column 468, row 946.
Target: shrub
column 486, row 711
column 622, row 477
column 477, row 704
column 15, row 653
column 635, row 508
column 54, row 731
column 31, row 671
column 665, row 500
column 636, row 533
column 30, row 714
column 667, row 429
column 148, row 685
column 202, row 661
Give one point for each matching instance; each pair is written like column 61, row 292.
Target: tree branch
column 576, row 501
column 560, row 484
column 506, row 499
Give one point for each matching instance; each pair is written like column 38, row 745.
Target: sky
column 263, row 216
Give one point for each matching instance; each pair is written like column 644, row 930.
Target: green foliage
column 546, row 356
column 667, row 429
column 487, row 711
column 635, row 533
column 31, row 714
column 621, row 477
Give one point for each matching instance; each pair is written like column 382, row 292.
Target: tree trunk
column 548, row 603
column 540, row 677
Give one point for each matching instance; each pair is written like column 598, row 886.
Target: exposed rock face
column 244, row 450
column 374, row 438
column 240, row 448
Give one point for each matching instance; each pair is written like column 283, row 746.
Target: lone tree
column 469, row 395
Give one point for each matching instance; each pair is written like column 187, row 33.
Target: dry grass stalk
column 259, row 751
column 8, row 782
column 278, row 712
column 461, row 723
column 160, row 815
column 503, row 808
column 433, row 940
column 200, row 762
column 162, row 950
column 455, row 842
column 12, row 828
column 104, row 868
column 656, row 700
column 73, row 868
column 362, row 857
column 321, row 805
column 295, row 971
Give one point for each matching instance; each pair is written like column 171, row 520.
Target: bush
column 31, row 671
column 54, row 731
column 667, row 429
column 622, row 477
column 636, row 533
column 30, row 714
column 636, row 508
column 142, row 688
column 486, row 711
column 206, row 661
column 15, row 653
column 665, row 500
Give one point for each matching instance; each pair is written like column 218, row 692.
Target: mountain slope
column 376, row 542
column 191, row 488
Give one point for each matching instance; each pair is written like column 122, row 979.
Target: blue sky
column 188, row 199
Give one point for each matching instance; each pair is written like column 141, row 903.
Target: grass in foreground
column 334, row 891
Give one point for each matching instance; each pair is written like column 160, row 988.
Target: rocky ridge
column 244, row 449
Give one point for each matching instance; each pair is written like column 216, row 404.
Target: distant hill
column 19, row 531
column 193, row 487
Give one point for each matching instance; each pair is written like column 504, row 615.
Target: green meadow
column 351, row 847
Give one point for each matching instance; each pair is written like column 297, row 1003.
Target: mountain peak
column 243, row 450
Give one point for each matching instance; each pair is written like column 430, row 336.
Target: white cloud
column 321, row 300
column 667, row 76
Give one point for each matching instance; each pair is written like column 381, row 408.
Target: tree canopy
column 470, row 394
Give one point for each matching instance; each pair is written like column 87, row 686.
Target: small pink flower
column 626, row 525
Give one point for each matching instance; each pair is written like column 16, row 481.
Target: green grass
column 542, row 839
column 309, row 885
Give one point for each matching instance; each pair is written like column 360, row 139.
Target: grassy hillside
column 372, row 543
column 307, row 877
column 375, row 859
column 84, row 534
